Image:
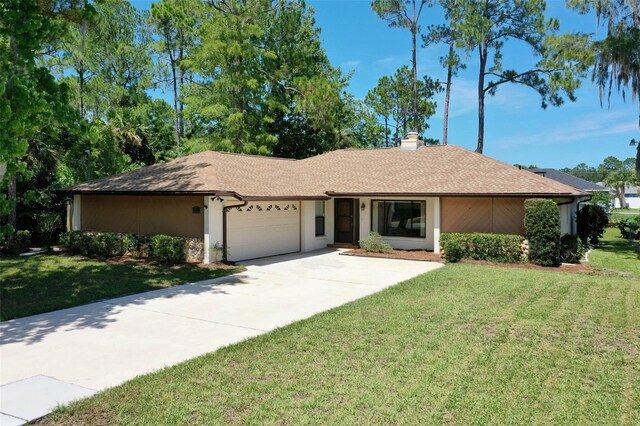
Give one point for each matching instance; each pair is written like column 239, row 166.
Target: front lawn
column 32, row 285
column 464, row 344
column 615, row 253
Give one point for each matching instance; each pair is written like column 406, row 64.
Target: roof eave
column 71, row 191
column 453, row 194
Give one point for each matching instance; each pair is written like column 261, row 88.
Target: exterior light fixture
column 363, row 206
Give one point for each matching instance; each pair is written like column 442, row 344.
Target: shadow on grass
column 624, row 249
column 47, row 283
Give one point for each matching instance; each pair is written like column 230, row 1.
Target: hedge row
column 490, row 247
column 163, row 248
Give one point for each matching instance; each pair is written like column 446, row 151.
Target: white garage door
column 263, row 229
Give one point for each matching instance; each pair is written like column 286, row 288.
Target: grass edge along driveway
column 463, row 344
column 38, row 284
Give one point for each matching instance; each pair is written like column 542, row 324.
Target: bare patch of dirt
column 422, row 255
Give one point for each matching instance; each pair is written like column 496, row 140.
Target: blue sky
column 517, row 130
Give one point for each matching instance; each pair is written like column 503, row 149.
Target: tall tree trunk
column 638, row 159
column 386, row 131
column 81, row 90
column 13, row 199
column 180, row 101
column 447, row 96
column 481, row 94
column 621, row 196
column 81, row 69
column 414, row 31
column 176, row 113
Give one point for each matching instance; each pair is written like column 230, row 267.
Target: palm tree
column 618, row 180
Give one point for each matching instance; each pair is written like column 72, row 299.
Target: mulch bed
column 565, row 267
column 421, row 255
column 430, row 256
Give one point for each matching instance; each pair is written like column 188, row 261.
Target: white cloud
column 351, row 64
column 464, row 99
column 588, row 127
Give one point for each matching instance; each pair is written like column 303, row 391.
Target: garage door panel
column 263, row 229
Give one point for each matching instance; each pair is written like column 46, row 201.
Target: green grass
column 618, row 215
column 466, row 344
column 616, row 253
column 32, row 285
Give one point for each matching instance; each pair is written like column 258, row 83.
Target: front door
column 344, row 220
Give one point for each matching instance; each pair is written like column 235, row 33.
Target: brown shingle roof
column 431, row 170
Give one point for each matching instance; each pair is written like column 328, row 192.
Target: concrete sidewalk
column 95, row 346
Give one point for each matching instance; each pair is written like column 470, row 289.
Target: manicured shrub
column 88, row 244
column 71, row 241
column 373, row 243
column 108, row 245
column 18, row 242
column 136, row 245
column 453, row 251
column 571, row 249
column 630, row 228
column 542, row 225
column 167, row 250
column 592, row 221
column 478, row 246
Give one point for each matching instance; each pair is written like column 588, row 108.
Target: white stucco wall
column 309, row 240
column 213, row 228
column 432, row 203
column 75, row 215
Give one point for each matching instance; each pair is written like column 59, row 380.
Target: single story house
column 253, row 206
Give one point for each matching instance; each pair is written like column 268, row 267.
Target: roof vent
column 411, row 143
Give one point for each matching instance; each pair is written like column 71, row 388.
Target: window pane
column 319, row 226
column 319, row 218
column 419, row 225
column 399, row 218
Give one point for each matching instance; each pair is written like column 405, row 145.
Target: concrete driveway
column 74, row 352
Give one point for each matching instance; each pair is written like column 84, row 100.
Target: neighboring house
column 568, row 215
column 631, row 195
column 254, row 206
column 578, row 183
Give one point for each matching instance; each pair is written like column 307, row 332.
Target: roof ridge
column 527, row 175
column 241, row 154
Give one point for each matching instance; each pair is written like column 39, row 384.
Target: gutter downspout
column 225, row 209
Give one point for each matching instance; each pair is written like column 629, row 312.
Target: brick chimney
column 411, row 143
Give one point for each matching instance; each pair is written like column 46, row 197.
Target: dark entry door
column 344, row 220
